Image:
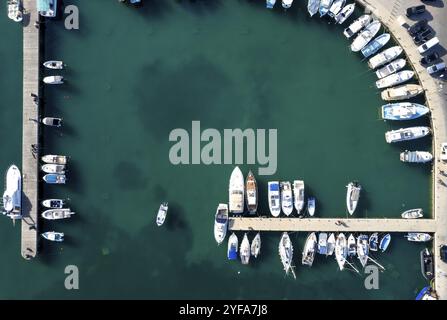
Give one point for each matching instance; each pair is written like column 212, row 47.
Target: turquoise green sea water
column 133, row 75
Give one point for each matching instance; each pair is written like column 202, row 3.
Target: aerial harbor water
column 135, row 74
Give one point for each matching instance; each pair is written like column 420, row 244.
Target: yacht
column 52, row 122
column 53, row 178
column 53, row 168
column 309, row 250
column 298, row 195
column 416, row 156
column 322, row 243
column 251, row 190
column 54, row 80
column 221, row 223
column 394, row 79
column 270, row 4
column 385, row 242
column 330, row 245
column 256, row 245
column 365, row 36
column 374, row 242
column 286, row 4
column 12, row 197
column 352, row 246
column 406, row 91
column 47, row 8
column 413, row 214
column 352, row 196
column 57, row 214
column 53, row 203
column 335, row 8
column 325, row 5
column 374, row 46
column 54, row 65
column 233, row 245
column 285, row 250
column 391, row 68
column 286, row 198
column 15, row 10
column 53, row 236
column 236, row 191
column 384, row 57
column 313, row 6
column 311, row 206
column 56, row 159
column 403, row 111
column 341, row 250
column 345, row 13
column 418, row 237
column 161, row 214
column 244, row 250
column 274, row 200
column 357, row 25
column 406, row 134
column 362, row 249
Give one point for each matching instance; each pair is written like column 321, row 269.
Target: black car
column 428, row 59
column 444, row 253
column 412, row 11
column 418, row 27
column 423, row 36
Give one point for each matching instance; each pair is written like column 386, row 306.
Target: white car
column 436, row 68
column 444, row 151
column 428, row 45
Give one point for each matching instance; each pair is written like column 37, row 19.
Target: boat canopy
column 44, row 5
column 232, row 255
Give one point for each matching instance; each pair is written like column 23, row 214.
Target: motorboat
column 385, row 242
column 374, row 46
column 416, row 156
column 52, row 122
column 427, row 265
column 394, row 79
column 406, row 91
column 362, row 249
column 311, row 206
column 12, row 197
column 374, row 241
column 286, row 198
column 54, row 65
column 391, row 68
column 285, row 250
column 313, row 6
column 330, row 245
column 57, row 214
column 15, row 10
column 54, row 178
column 384, row 57
column 357, row 25
column 244, row 250
column 325, row 5
column 418, row 237
column 47, row 8
column 256, row 245
column 352, row 196
column 53, row 203
column 406, row 134
column 322, row 243
column 365, row 36
column 341, row 250
column 233, row 245
column 274, row 200
column 56, row 159
column 413, row 214
column 335, row 8
column 286, row 4
column 162, row 212
column 352, row 246
column 54, row 80
column 53, row 168
column 270, row 4
column 345, row 13
column 221, row 223
column 236, row 191
column 298, row 195
column 251, row 190
column 53, row 236
column 403, row 111
column 309, row 250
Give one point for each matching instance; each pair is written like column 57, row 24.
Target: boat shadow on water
column 152, row 8
column 175, row 219
column 199, row 7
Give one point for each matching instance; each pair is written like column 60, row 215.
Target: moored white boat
column 309, row 250
column 54, row 178
column 274, row 199
column 345, row 13
column 418, row 237
column 256, row 245
column 15, row 10
column 385, row 242
column 416, row 156
column 336, row 7
column 374, row 46
column 413, row 214
column 53, row 203
column 285, row 250
column 12, row 197
column 406, row 91
column 330, row 244
column 251, row 190
column 286, row 198
column 244, row 250
column 53, row 236
column 341, row 250
column 54, row 65
column 406, row 134
column 286, row 4
column 56, row 159
column 161, row 214
column 53, row 168
column 357, row 25
column 352, row 246
column 233, row 245
column 322, row 243
column 394, row 79
column 374, row 241
column 57, row 214
column 363, row 249
column 52, row 122
column 352, row 196
column 391, row 68
column 325, row 5
column 236, row 191
column 311, row 204
column 365, row 36
column 54, row 80
column 384, row 57
column 298, row 195
column 270, row 4
column 313, row 6
column 221, row 223
column 403, row 111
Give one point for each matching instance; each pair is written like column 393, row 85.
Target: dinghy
column 374, row 242
column 374, row 46
column 53, row 178
column 427, row 265
column 53, row 168
column 313, row 6
column 335, row 8
column 161, row 214
column 274, row 200
column 406, row 134
column 362, row 249
column 391, row 68
column 52, row 122
column 357, row 25
column 416, row 156
column 406, row 91
column 57, row 214
column 413, row 214
column 403, row 111
column 309, row 250
column 251, row 189
column 56, row 159
column 330, row 245
column 325, row 5
column 286, row 198
column 352, row 246
column 54, row 65
column 270, row 4
column 352, row 196
column 385, row 242
column 345, row 13
column 311, row 206
column 394, row 79
column 233, row 245
column 286, row 4
column 53, row 236
column 244, row 250
column 298, row 195
column 221, row 223
column 53, row 203
column 418, row 237
column 322, row 243
column 384, row 57
column 236, row 191
column 365, row 36
column 54, row 80
column 341, row 251
column 256, row 245
column 285, row 250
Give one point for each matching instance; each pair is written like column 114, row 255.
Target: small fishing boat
column 322, row 243
column 406, row 134
column 362, row 249
column 418, row 237
column 57, row 214
column 221, row 223
column 309, row 250
column 313, row 6
column 274, row 200
column 53, row 203
column 54, row 80
column 336, row 7
column 352, row 246
column 286, row 4
column 162, row 212
column 427, row 265
column 52, row 122
column 298, row 195
column 311, row 206
column 330, row 245
column 53, row 168
column 385, row 242
column 53, row 178
column 345, row 13
column 285, row 250
column 352, row 196
column 236, row 191
column 357, row 25
column 374, row 242
column 15, row 10
column 391, row 68
column 406, row 91
column 325, row 5
column 233, row 245
column 270, row 4
column 365, row 36
column 394, row 79
column 286, row 198
column 251, row 190
column 341, row 250
column 403, row 111
column 53, row 236
column 54, row 65
column 427, row 293
column 244, row 251
column 56, row 159
column 256, row 245
column 384, row 57
column 416, row 156
column 374, row 46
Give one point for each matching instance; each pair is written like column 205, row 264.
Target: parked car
column 412, row 11
column 423, row 36
column 428, row 45
column 430, row 58
column 444, row 151
column 444, row 253
column 418, row 27
column 436, row 68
